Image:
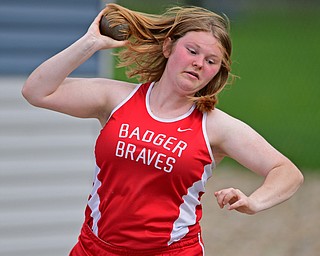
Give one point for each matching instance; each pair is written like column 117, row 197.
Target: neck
column 165, row 103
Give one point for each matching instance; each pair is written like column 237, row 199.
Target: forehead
column 203, row 40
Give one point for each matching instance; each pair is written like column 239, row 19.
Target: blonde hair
column 143, row 56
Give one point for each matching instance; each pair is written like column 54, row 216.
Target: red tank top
column 150, row 175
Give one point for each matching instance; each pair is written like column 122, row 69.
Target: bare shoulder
column 231, row 137
column 223, row 128
column 220, row 124
column 88, row 97
column 110, row 93
column 97, row 89
column 105, row 84
column 224, row 131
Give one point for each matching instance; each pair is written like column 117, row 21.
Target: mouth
column 194, row 74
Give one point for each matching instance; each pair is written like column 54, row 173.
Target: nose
column 197, row 63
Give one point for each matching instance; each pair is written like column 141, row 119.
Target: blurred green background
column 276, row 56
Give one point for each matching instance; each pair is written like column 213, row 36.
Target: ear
column 167, row 46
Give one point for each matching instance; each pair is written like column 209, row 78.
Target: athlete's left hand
column 236, row 200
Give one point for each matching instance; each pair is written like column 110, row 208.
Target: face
column 193, row 61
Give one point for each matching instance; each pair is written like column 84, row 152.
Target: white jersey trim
column 201, row 244
column 124, row 101
column 187, row 216
column 164, row 120
column 94, row 202
column 205, row 135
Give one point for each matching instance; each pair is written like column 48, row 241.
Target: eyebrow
column 199, row 47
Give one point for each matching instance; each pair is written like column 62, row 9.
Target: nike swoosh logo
column 184, row 130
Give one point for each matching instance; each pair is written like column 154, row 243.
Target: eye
column 211, row 61
column 192, row 51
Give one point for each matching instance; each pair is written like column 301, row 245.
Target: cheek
column 179, row 58
column 175, row 63
column 211, row 72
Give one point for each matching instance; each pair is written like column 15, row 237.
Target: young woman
column 160, row 139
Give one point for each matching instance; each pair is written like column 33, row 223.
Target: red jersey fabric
column 90, row 245
column 150, row 175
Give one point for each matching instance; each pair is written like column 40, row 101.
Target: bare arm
column 232, row 138
column 49, row 86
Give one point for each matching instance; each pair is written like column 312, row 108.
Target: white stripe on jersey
column 201, row 244
column 187, row 216
column 94, row 202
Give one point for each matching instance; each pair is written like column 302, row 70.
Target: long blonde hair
column 143, row 56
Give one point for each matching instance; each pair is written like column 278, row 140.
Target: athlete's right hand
column 103, row 42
